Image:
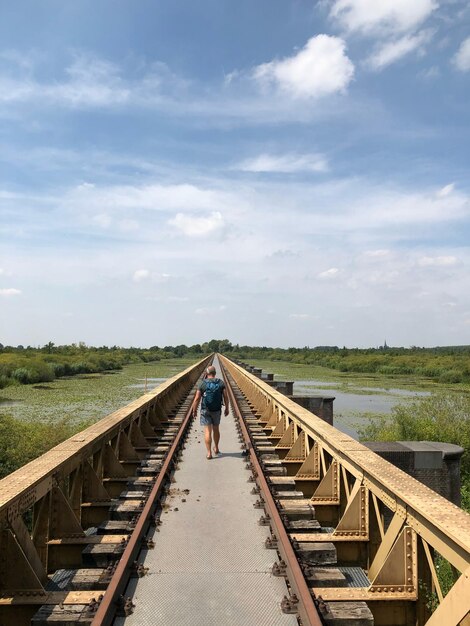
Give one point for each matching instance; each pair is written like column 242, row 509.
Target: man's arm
column 226, row 402
column 195, row 405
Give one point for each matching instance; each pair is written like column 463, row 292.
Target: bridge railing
column 46, row 506
column 378, row 516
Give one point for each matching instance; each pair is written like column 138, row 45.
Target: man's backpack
column 213, row 394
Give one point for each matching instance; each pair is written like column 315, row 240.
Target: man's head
column 210, row 371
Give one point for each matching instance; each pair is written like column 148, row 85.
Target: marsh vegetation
column 34, row 418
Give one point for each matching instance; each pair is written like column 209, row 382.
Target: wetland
column 359, row 398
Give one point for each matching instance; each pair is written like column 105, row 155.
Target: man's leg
column 208, row 439
column 216, row 431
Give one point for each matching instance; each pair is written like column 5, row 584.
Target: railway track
column 348, row 548
column 290, row 518
column 74, row 521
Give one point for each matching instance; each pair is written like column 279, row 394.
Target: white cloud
column 283, row 253
column 128, row 225
column 431, row 73
column 177, row 299
column 90, row 83
column 374, row 16
column 9, row 292
column 140, row 275
column 330, row 273
column 287, row 163
column 102, row 220
column 339, row 224
column 437, row 261
column 387, row 207
column 155, row 197
column 210, row 310
column 392, row 51
column 446, row 191
column 320, row 68
column 192, row 226
column 299, row 316
column 374, row 254
column 461, row 59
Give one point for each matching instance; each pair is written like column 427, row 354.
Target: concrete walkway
column 209, row 566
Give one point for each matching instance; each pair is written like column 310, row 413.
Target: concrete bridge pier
column 435, row 464
column 320, row 405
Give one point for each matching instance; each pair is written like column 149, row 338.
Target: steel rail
column 306, row 607
column 442, row 524
column 25, row 486
column 435, row 521
column 56, row 482
column 107, row 608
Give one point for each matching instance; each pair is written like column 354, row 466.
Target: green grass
column 34, row 418
column 447, row 365
column 350, row 382
column 85, row 397
column 22, row 441
column 439, row 417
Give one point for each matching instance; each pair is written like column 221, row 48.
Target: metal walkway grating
column 209, row 566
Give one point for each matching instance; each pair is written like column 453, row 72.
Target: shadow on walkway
column 228, row 454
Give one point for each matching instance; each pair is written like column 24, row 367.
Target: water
column 353, row 408
column 4, row 403
column 87, row 397
column 151, row 382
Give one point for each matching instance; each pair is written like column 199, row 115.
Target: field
column 34, row 418
column 359, row 398
column 448, row 365
column 87, row 396
column 369, row 403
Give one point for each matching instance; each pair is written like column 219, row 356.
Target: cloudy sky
column 278, row 172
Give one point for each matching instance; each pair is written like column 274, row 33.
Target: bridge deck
column 209, row 565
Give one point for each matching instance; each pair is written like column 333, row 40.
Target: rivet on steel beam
column 259, row 504
column 264, row 520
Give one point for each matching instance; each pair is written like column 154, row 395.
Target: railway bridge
column 294, row 522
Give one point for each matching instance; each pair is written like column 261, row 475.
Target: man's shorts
column 210, row 418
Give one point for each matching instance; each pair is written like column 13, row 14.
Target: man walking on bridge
column 212, row 391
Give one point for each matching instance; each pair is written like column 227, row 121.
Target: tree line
column 443, row 364
column 31, row 364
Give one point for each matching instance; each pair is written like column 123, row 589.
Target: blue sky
column 279, row 172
